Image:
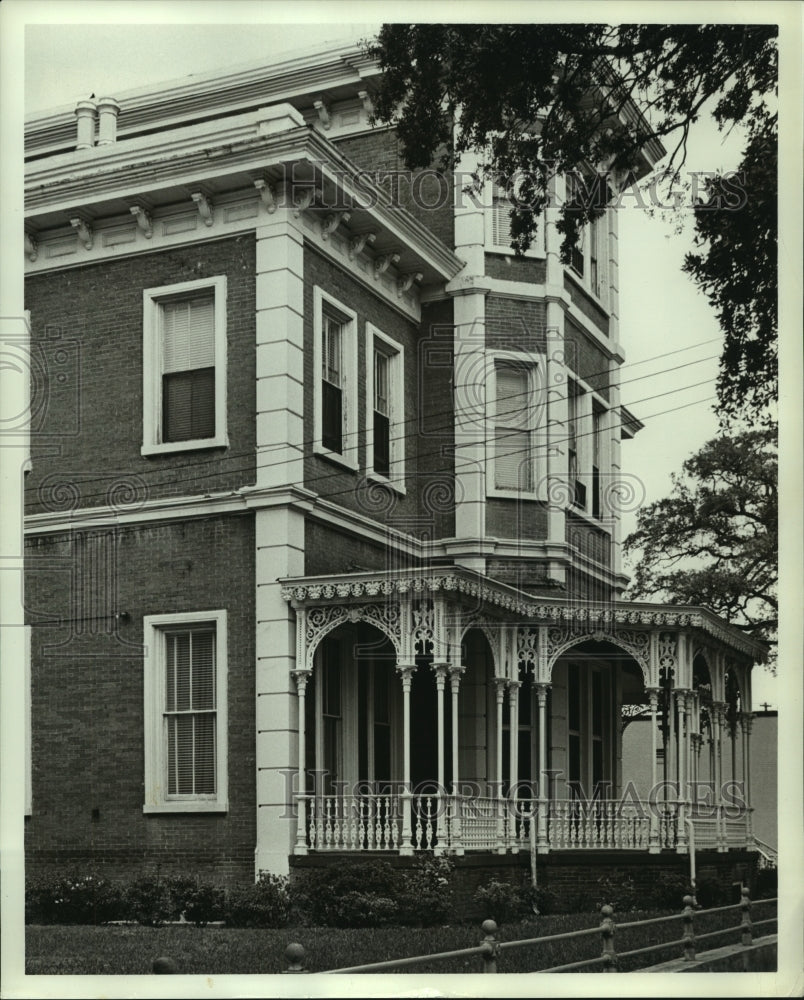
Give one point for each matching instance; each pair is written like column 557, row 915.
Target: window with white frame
column 498, row 226
column 335, row 366
column 587, row 450
column 184, row 366
column 185, row 712
column 385, row 410
column 513, row 402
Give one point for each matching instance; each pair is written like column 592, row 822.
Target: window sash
column 332, row 350
column 190, row 713
column 188, row 405
column 513, row 466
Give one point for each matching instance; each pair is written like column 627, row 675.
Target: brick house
column 322, row 524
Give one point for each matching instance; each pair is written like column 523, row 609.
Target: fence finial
column 490, row 945
column 164, row 966
column 689, row 929
column 607, row 929
column 294, row 953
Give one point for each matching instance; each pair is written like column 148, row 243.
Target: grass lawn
column 131, row 949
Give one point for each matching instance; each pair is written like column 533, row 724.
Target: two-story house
column 323, row 503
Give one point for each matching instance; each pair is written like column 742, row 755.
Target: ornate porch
column 442, row 711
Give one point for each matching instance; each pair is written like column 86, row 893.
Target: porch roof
column 459, row 583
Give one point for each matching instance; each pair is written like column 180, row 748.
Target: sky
column 661, row 311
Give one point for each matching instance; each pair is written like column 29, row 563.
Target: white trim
column 349, row 398
column 26, row 663
column 152, row 299
column 534, row 364
column 156, row 799
column 396, row 386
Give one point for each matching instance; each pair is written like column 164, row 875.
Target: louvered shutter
column 190, row 712
column 512, row 460
column 501, row 222
column 188, row 366
column 511, row 397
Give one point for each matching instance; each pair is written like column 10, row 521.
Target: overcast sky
column 660, row 309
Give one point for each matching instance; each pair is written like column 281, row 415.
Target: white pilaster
column 280, row 360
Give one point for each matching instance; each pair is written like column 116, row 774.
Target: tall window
column 597, row 459
column 185, row 717
column 385, row 411
column 498, row 226
column 335, row 363
column 575, row 443
column 588, row 728
column 513, row 424
column 588, row 259
column 332, row 383
column 184, row 366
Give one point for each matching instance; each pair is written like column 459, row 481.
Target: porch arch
column 640, row 656
column 319, row 622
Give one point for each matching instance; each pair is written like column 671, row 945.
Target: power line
column 453, row 413
column 432, row 454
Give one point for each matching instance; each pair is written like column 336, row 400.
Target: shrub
column 425, row 898
column 203, row 903
column 72, row 899
column 372, row 893
column 149, row 901
column 619, row 892
column 710, row 892
column 504, row 902
column 266, row 903
column 766, row 883
column 667, row 891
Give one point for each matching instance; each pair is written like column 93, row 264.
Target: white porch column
column 542, row 842
column 301, row 677
column 440, row 671
column 718, row 710
column 653, row 839
column 513, row 762
column 406, row 671
column 500, row 684
column 455, row 673
column 745, row 725
column 682, row 698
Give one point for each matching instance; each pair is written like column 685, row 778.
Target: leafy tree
column 541, row 99
column 713, row 541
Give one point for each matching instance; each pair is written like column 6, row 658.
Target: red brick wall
column 514, row 325
column 87, row 705
column 425, row 194
column 507, row 267
column 95, row 314
column 587, row 305
column 327, row 550
column 437, row 417
column 345, row 488
column 510, row 518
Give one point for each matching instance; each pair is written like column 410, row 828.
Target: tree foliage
column 713, row 541
column 538, row 100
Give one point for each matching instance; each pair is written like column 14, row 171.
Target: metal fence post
column 294, row 953
column 745, row 924
column 490, row 946
column 607, row 929
column 689, row 929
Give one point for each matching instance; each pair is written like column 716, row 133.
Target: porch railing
column 374, row 822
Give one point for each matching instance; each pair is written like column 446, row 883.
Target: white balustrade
column 353, row 823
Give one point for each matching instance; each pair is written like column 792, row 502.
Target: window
column 589, row 258
column 185, row 712
column 597, row 457
column 498, row 226
column 588, row 729
column 575, row 443
column 335, row 363
column 385, row 412
column 514, row 406
column 184, row 366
